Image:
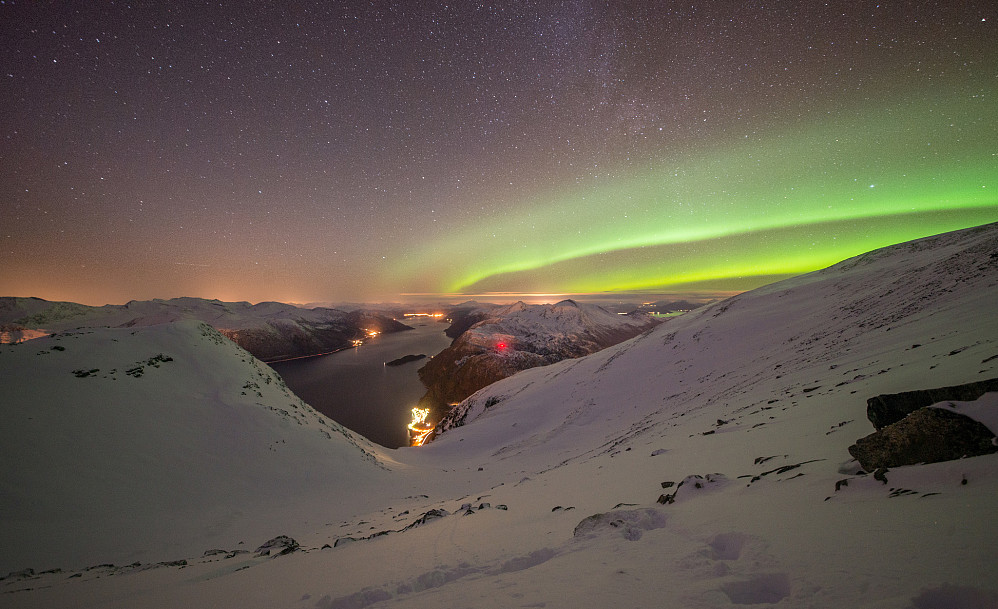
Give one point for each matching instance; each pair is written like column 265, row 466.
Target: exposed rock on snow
column 696, row 482
column 278, row 546
column 927, row 435
column 883, row 410
column 429, row 516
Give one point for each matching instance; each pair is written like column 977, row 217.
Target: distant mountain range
column 269, row 330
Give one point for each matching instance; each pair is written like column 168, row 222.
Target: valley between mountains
column 703, row 463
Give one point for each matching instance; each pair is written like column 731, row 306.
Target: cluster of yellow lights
column 373, row 332
column 419, row 429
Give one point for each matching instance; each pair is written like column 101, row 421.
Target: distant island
column 405, row 359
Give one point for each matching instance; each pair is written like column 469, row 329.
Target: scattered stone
column 658, row 451
column 693, row 481
column 668, row 484
column 782, row 470
column 927, row 435
column 761, row 460
column 428, row 517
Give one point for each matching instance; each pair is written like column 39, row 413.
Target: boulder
column 927, row 435
column 886, row 409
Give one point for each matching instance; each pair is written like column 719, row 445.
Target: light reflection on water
column 355, row 388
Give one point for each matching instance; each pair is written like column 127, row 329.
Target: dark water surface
column 356, row 389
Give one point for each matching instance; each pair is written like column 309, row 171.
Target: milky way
column 328, row 151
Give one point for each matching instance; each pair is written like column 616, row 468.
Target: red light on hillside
column 502, row 346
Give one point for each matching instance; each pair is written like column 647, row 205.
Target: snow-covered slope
column 566, row 327
column 520, row 336
column 125, row 443
column 738, row 417
column 882, row 322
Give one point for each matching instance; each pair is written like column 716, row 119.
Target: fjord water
column 356, row 389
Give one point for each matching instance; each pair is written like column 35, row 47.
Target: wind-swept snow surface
column 703, row 464
column 130, row 444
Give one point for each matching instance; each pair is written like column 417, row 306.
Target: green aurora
column 755, row 207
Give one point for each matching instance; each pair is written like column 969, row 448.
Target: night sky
column 364, row 151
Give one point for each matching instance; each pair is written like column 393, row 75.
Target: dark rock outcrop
column 278, row 546
column 927, row 435
column 886, row 409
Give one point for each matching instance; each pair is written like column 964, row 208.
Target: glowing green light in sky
column 792, row 200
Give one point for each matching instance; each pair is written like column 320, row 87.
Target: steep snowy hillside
column 882, row 322
column 519, row 336
column 120, row 443
column 703, row 464
column 268, row 330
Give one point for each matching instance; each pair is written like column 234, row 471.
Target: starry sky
column 307, row 151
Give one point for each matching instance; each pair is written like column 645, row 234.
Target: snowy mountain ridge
column 516, row 337
column 703, row 464
column 566, row 325
column 269, row 330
